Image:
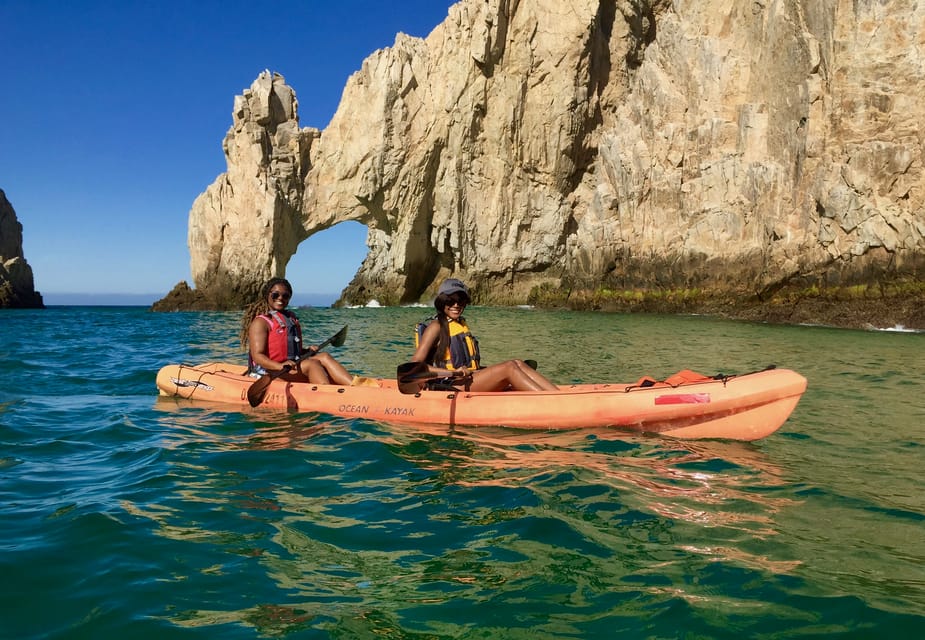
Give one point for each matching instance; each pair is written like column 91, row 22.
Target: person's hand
column 461, row 373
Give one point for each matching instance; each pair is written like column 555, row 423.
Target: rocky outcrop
column 17, row 287
column 249, row 222
column 536, row 147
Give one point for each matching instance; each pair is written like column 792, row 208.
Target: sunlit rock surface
column 727, row 147
column 17, row 286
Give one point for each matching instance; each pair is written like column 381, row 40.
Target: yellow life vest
column 463, row 352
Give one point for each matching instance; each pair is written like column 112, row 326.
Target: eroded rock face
column 17, row 287
column 624, row 143
column 248, row 223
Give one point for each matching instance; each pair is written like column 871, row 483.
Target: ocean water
column 126, row 515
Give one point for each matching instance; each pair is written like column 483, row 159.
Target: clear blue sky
column 113, row 113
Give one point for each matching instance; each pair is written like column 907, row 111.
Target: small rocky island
column 17, row 286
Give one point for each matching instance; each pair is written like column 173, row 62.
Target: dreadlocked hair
column 259, row 307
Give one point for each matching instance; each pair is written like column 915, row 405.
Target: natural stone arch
column 736, row 151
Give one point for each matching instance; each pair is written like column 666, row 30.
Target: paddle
column 411, row 374
column 408, row 375
column 258, row 390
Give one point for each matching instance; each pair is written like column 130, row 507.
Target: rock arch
column 646, row 144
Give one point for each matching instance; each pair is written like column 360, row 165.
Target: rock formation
column 17, row 288
column 532, row 146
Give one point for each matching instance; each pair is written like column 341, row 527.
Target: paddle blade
column 339, row 338
column 336, row 340
column 258, row 390
column 410, row 375
column 410, row 369
column 409, row 388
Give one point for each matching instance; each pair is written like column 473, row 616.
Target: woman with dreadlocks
column 273, row 337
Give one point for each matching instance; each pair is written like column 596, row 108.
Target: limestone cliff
column 17, row 287
column 539, row 145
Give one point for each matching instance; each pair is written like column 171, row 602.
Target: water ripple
column 150, row 517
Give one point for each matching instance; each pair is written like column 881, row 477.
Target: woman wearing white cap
column 447, row 346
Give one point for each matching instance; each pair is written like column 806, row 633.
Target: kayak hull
column 742, row 407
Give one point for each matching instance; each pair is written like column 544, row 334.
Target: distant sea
column 128, row 515
column 147, row 299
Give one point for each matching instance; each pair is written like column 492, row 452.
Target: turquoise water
column 128, row 515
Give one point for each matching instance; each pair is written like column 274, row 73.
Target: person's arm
column 425, row 344
column 257, row 337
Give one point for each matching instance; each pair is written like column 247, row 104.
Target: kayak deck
column 740, row 407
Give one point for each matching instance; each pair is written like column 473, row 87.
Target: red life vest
column 284, row 341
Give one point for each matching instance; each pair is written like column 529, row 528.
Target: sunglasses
column 457, row 302
column 276, row 295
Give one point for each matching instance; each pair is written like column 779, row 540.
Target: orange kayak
column 686, row 405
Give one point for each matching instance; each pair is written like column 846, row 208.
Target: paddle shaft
column 257, row 391
column 321, row 346
column 410, row 374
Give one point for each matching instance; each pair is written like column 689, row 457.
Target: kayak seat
column 686, row 376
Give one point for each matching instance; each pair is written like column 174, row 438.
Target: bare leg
column 512, row 373
column 322, row 368
column 535, row 376
column 314, row 371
